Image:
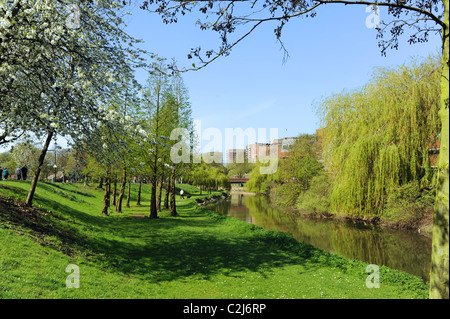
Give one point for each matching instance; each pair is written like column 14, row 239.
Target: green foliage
column 377, row 138
column 294, row 173
column 302, row 164
column 208, row 176
column 240, row 169
column 287, row 194
column 408, row 203
column 258, row 183
column 316, row 198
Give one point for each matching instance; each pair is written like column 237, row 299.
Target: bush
column 287, row 194
column 316, row 198
column 408, row 203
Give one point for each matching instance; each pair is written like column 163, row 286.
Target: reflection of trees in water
column 406, row 251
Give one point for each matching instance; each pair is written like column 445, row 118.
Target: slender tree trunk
column 100, row 184
column 30, row 196
column 173, row 206
column 107, row 197
column 122, row 192
column 159, row 193
column 138, row 201
column 166, row 198
column 153, row 207
column 439, row 281
column 129, row 194
column 153, row 210
column 114, row 191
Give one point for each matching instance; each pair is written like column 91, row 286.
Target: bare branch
column 226, row 19
column 398, row 4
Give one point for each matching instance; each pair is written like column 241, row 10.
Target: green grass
column 198, row 254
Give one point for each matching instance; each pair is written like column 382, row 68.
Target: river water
column 408, row 251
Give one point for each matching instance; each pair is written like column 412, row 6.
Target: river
column 408, row 251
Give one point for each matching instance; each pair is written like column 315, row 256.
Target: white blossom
column 39, row 74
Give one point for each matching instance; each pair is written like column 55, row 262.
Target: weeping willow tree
column 377, row 138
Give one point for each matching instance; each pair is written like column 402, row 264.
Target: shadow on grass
column 175, row 248
column 43, row 227
column 65, row 189
column 161, row 255
column 163, row 249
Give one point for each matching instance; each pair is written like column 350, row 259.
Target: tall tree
column 56, row 66
column 111, row 146
column 153, row 103
column 180, row 110
column 424, row 17
column 379, row 137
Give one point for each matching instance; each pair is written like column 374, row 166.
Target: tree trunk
column 153, row 211
column 107, row 197
column 173, row 206
column 114, row 191
column 30, row 196
column 100, row 184
column 159, row 193
column 129, row 194
column 439, row 284
column 166, row 198
column 138, row 201
column 122, row 192
column 153, row 208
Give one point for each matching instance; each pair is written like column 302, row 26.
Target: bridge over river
column 238, row 181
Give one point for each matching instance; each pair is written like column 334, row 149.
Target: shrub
column 408, row 203
column 316, row 198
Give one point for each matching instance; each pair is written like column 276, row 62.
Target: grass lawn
column 198, row 254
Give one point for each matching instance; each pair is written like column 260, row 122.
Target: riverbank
column 423, row 225
column 211, row 199
column 403, row 250
column 413, row 218
column 199, row 254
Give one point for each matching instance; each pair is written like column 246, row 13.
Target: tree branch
column 388, row 4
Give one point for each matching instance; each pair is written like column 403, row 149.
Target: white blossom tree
column 58, row 61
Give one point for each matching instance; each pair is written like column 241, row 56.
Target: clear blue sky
column 252, row 88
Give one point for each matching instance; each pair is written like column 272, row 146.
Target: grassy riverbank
column 408, row 207
column 198, row 254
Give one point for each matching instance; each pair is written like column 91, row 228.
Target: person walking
column 5, row 174
column 18, row 174
column 24, row 173
column 181, row 194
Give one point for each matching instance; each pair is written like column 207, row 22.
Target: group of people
column 21, row 173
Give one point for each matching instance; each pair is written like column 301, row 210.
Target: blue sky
column 252, row 88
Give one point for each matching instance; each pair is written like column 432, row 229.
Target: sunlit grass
column 198, row 254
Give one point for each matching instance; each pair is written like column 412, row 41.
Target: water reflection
column 403, row 250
